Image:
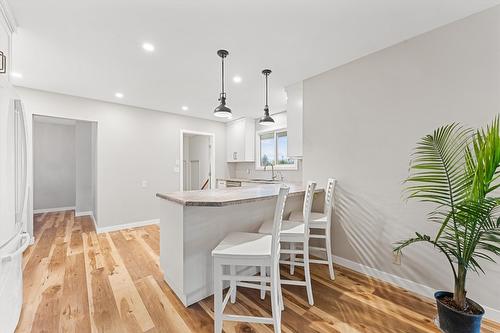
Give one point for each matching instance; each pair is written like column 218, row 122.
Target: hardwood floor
column 79, row 281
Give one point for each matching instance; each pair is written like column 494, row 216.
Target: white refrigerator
column 13, row 206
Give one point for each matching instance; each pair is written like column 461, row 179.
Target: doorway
column 198, row 161
column 64, row 165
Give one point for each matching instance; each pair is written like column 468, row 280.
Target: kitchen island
column 192, row 223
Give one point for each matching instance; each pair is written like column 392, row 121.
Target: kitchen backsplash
column 246, row 170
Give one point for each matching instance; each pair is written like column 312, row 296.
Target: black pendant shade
column 266, row 119
column 222, row 110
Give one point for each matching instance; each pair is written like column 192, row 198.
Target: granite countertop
column 257, row 181
column 231, row 196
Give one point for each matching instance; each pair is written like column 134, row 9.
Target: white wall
column 362, row 120
column 133, row 145
column 54, row 165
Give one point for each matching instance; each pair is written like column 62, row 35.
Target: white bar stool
column 293, row 233
column 250, row 249
column 322, row 221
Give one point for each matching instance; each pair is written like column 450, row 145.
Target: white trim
column 51, row 210
column 10, row 20
column 213, row 184
column 127, row 226
column 420, row 289
column 91, row 213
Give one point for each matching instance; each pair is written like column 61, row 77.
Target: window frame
column 275, row 132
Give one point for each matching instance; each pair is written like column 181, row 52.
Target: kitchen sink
column 266, row 180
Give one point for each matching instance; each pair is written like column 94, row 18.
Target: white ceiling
column 92, row 48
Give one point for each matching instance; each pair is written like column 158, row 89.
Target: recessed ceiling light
column 118, row 95
column 184, row 108
column 16, row 75
column 237, row 79
column 148, row 47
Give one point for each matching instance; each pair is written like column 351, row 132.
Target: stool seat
column 296, row 232
column 318, row 220
column 288, row 228
column 245, row 249
column 244, row 244
column 323, row 222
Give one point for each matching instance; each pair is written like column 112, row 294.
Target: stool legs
column 329, row 253
column 263, row 284
column 232, row 271
column 307, row 273
column 217, row 297
column 275, row 298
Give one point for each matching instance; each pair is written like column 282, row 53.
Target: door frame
column 180, row 165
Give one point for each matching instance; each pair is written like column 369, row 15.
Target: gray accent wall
column 361, row 122
column 85, row 167
column 54, row 165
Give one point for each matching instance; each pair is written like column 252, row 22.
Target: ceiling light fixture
column 222, row 110
column 266, row 120
column 16, row 75
column 237, row 79
column 118, row 95
column 184, row 108
column 148, row 47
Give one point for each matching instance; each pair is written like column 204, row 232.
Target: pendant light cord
column 267, row 75
column 223, row 93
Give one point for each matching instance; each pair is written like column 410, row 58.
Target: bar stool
column 250, row 249
column 322, row 221
column 293, row 233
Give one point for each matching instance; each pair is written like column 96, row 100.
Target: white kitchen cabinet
column 5, row 46
column 295, row 119
column 240, row 140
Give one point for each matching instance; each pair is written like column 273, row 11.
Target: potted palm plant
column 457, row 170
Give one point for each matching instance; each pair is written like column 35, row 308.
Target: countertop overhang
column 232, row 196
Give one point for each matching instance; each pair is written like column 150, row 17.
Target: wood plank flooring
column 79, row 281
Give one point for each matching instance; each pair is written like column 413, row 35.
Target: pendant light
column 266, row 120
column 222, row 110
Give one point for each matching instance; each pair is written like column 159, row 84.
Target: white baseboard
column 77, row 214
column 420, row 289
column 127, row 226
column 51, row 210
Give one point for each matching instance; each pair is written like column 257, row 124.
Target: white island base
column 190, row 229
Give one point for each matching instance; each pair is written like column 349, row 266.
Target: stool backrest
column 278, row 219
column 308, row 200
column 329, row 198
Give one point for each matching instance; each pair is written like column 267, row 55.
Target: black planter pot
column 454, row 321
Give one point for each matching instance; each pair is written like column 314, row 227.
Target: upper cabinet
column 7, row 26
column 240, row 140
column 295, row 119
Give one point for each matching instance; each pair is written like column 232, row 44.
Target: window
column 272, row 149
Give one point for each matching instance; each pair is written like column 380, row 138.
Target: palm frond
column 459, row 171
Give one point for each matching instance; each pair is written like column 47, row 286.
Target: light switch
column 144, row 184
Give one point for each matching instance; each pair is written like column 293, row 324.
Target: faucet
column 273, row 175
